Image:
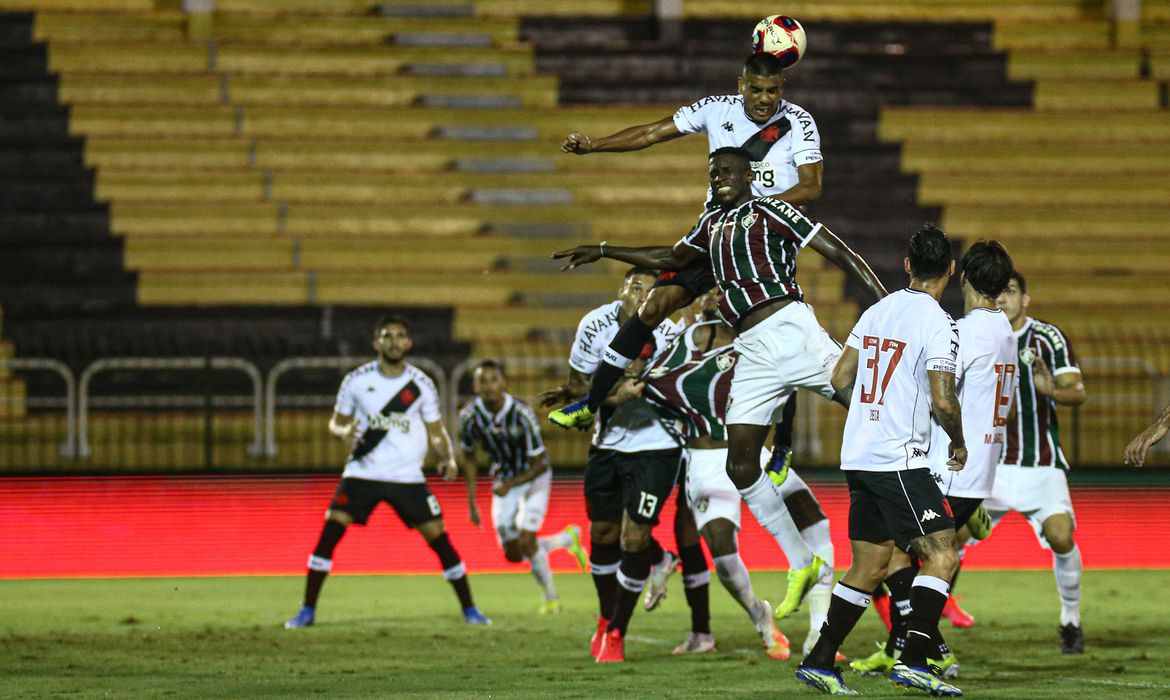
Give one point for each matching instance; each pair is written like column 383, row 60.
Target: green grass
column 402, row 636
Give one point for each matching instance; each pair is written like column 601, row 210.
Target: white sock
column 1067, row 567
column 819, row 540
column 560, row 540
column 767, row 505
column 542, row 574
column 735, row 578
column 817, row 537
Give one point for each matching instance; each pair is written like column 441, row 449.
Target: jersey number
column 433, row 504
column 887, row 351
column 647, row 505
column 1004, row 378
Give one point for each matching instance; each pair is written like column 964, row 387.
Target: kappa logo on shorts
column 929, row 514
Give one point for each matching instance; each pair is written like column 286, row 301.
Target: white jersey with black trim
column 986, row 378
column 779, row 146
column 898, row 340
column 639, row 425
column 391, row 413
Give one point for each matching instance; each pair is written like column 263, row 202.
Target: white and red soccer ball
column 781, row 36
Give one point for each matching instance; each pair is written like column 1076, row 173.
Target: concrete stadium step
column 1086, row 159
column 1016, row 223
column 1052, row 33
column 1029, row 64
column 874, row 10
column 77, row 5
column 1160, row 61
column 1081, row 288
column 1014, row 190
column 168, row 59
column 1089, row 257
column 1116, row 94
column 1025, row 127
column 299, row 91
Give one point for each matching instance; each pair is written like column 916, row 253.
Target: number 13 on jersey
column 887, row 353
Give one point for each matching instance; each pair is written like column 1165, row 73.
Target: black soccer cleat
column 1072, row 639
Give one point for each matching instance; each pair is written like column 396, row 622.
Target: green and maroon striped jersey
column 753, row 251
column 693, row 381
column 1033, row 440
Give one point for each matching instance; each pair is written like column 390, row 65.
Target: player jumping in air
column 390, row 410
column 897, row 370
column 506, row 429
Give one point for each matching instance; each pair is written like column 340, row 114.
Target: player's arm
column 468, row 462
column 440, row 444
column 540, row 465
column 1135, row 452
column 343, row 426
column 657, row 257
column 634, row 138
column 834, row 249
column 946, row 411
column 808, row 187
column 577, row 385
column 1066, row 388
column 844, row 375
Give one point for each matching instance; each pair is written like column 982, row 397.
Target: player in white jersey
column 506, row 430
column 986, row 381
column 390, row 410
column 633, row 465
column 896, row 371
column 784, row 147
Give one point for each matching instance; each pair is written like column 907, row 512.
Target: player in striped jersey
column 506, row 429
column 693, row 376
column 1031, row 478
column 1135, row 451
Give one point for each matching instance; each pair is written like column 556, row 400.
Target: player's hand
column 958, row 459
column 501, row 490
column 577, row 143
column 473, row 512
column 448, row 469
column 552, row 397
column 1042, row 377
column 581, row 255
column 627, row 391
column 1135, row 452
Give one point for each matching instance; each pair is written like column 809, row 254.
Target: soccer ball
column 781, row 36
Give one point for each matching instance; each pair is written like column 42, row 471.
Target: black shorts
column 898, row 506
column 414, row 503
column 697, row 278
column 637, row 483
column 962, row 508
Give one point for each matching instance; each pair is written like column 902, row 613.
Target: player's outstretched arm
column 440, row 443
column 1066, row 388
column 946, row 411
column 834, row 249
column 1135, row 452
column 343, row 426
column 577, row 385
column 808, row 186
column 653, row 257
column 844, row 376
column 540, row 465
column 634, row 138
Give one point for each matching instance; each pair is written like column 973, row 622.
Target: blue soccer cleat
column 575, row 415
column 303, row 618
column 778, row 464
column 829, row 682
column 472, row 616
column 922, row 679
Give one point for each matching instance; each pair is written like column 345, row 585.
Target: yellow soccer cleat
column 800, row 582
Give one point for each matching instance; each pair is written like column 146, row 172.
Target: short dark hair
column 930, row 253
column 1019, row 278
column 640, row 271
column 988, row 267
column 763, row 64
column 492, row 364
column 734, row 151
column 391, row 319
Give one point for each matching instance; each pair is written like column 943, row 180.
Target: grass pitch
column 403, row 636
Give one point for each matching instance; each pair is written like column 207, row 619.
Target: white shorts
column 786, row 351
column 523, row 508
column 710, row 493
column 1037, row 493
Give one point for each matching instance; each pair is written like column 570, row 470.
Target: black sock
column 625, row 347
column 603, row 563
column 697, row 585
column 927, row 598
column 631, row 577
column 453, row 569
column 655, row 551
column 900, row 584
column 845, row 609
column 322, row 560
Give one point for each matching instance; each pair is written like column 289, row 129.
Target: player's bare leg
column 1066, row 564
column 720, row 535
column 320, row 563
column 763, row 499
